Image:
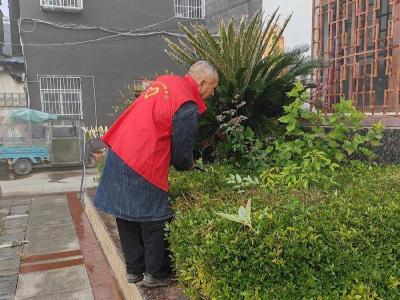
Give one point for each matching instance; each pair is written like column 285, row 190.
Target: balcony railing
column 13, row 100
column 62, row 5
column 190, row 9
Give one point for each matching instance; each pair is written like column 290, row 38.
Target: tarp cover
column 27, row 115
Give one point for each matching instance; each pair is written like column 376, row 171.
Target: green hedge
column 310, row 245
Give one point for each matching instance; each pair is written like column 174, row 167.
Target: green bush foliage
column 316, row 145
column 342, row 244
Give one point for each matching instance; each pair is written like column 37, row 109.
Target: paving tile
column 49, row 210
column 50, row 217
column 4, row 211
column 11, row 251
column 45, row 240
column 5, row 206
column 19, row 209
column 48, row 202
column 16, row 222
column 65, row 295
column 37, row 284
column 9, row 272
column 8, row 285
column 9, row 237
column 6, row 203
column 14, row 230
column 22, row 200
column 9, row 263
column 10, row 256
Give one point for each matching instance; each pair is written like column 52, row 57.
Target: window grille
column 190, row 9
column 62, row 4
column 13, row 100
column 61, row 95
column 141, row 84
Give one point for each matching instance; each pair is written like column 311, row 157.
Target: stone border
column 117, row 265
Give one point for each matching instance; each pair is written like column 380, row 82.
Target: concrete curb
column 117, row 265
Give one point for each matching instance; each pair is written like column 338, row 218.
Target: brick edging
column 104, row 285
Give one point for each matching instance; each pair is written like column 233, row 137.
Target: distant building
column 12, row 91
column 280, row 44
column 80, row 53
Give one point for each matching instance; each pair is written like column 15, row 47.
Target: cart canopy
column 26, row 115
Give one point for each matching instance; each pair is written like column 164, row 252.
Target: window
column 190, row 9
column 12, row 100
column 62, row 5
column 141, row 84
column 61, row 95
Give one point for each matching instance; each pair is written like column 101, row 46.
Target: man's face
column 207, row 86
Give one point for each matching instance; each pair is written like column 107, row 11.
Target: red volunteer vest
column 141, row 136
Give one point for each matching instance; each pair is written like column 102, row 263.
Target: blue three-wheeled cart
column 30, row 138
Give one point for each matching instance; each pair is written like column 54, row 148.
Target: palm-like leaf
column 238, row 53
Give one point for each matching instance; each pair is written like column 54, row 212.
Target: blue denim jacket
column 125, row 194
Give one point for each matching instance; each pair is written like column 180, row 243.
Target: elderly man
column 158, row 129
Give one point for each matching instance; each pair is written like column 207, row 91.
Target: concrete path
column 48, row 251
column 45, row 181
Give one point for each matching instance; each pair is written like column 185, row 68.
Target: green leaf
column 234, row 218
column 242, row 213
column 291, row 126
column 359, row 139
column 339, row 156
column 238, row 178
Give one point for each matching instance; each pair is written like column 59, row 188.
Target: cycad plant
column 251, row 68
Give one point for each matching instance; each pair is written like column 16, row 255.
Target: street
column 45, row 180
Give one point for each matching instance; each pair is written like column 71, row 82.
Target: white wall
column 299, row 29
column 9, row 85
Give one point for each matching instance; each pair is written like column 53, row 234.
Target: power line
column 207, row 17
column 212, row 14
column 130, row 32
column 115, row 35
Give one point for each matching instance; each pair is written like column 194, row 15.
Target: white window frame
column 190, row 9
column 66, row 5
column 61, row 87
column 141, row 84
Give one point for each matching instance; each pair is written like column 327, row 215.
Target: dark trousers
column 145, row 247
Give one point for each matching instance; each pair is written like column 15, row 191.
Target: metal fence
column 61, row 95
column 190, row 9
column 359, row 41
column 13, row 100
column 62, row 3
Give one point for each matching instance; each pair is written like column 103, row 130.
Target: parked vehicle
column 30, row 138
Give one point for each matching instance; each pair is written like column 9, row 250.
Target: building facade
column 359, row 42
column 79, row 54
column 12, row 90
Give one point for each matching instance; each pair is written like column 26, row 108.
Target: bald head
column 202, row 69
column 206, row 77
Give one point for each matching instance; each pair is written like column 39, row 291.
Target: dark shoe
column 152, row 282
column 134, row 278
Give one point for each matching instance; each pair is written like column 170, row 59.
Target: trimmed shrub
column 307, row 245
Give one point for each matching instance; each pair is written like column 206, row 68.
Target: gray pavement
column 68, row 283
column 45, row 224
column 45, row 181
column 47, row 247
